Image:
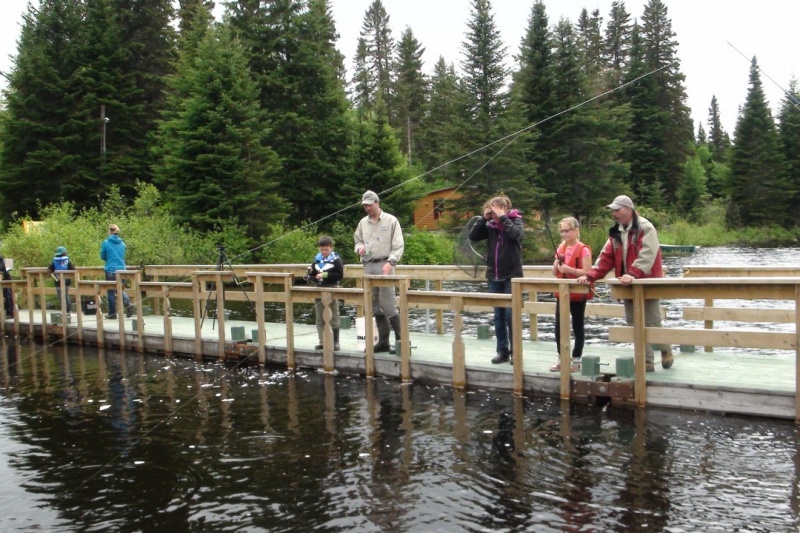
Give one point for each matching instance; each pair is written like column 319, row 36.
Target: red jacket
column 644, row 254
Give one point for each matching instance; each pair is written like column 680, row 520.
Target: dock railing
column 523, row 297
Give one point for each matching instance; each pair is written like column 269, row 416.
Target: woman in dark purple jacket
column 502, row 229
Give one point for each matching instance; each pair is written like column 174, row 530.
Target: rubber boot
column 383, row 334
column 319, row 334
column 336, row 339
column 395, row 323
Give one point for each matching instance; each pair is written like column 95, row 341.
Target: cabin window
column 438, row 208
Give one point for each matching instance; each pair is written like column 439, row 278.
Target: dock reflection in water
column 106, row 441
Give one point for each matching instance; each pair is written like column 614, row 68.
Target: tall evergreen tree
column 379, row 48
column 590, row 42
column 444, row 127
column 718, row 140
column 410, row 90
column 759, row 188
column 789, row 121
column 292, row 53
column 618, row 40
column 580, row 150
column 484, row 79
column 39, row 135
column 212, row 156
column 662, row 132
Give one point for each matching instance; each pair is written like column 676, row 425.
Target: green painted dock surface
column 771, row 374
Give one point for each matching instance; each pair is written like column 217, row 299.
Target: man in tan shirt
column 379, row 243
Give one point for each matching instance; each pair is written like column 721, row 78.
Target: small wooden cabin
column 434, row 208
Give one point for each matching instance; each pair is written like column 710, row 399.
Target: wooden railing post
column 639, row 346
column 709, row 324
column 516, row 335
column 564, row 356
column 327, row 331
column 369, row 354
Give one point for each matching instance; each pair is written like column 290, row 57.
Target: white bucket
column 361, row 335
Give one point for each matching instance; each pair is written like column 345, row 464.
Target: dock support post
column 459, row 366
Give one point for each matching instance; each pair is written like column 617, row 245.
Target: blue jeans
column 112, row 295
column 502, row 316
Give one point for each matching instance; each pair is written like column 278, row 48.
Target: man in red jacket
column 632, row 250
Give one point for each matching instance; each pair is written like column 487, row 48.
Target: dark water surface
column 105, row 441
column 96, row 441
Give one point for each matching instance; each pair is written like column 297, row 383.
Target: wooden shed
column 434, row 208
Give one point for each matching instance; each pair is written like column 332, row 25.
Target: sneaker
column 500, row 358
column 667, row 359
column 112, row 317
column 650, row 367
column 129, row 311
column 574, row 367
column 318, row 346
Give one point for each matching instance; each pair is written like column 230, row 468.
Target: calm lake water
column 102, row 440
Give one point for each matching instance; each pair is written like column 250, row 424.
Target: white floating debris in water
column 227, row 399
column 177, row 400
column 363, row 454
column 218, row 394
column 489, row 431
column 138, row 462
column 103, row 400
column 206, row 385
column 104, row 407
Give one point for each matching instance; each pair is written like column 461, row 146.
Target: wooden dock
column 751, row 384
column 760, row 385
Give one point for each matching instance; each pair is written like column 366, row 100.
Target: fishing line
column 788, row 94
column 512, row 136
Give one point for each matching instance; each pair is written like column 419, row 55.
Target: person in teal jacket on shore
column 112, row 251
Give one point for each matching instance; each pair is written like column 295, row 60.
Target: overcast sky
column 703, row 28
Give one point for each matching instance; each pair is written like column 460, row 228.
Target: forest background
column 249, row 132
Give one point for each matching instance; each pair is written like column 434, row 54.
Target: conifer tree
column 590, row 42
column 378, row 54
column 212, row 156
column 759, row 188
column 789, row 122
column 444, row 127
column 581, row 149
column 487, row 101
column 618, row 41
column 717, row 138
column 39, row 140
column 410, row 89
column 692, row 190
column 662, row 131
column 292, row 54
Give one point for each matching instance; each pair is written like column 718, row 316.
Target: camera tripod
column 211, row 304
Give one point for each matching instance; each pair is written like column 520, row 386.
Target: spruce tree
column 410, row 89
column 292, row 54
column 38, row 137
column 444, row 127
column 759, row 188
column 789, row 122
column 212, row 156
column 487, row 101
column 378, row 54
column 590, row 42
column 718, row 140
column 581, row 148
column 662, row 132
column 618, row 40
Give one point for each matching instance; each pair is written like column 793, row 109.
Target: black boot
column 395, row 323
column 336, row 339
column 383, row 334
